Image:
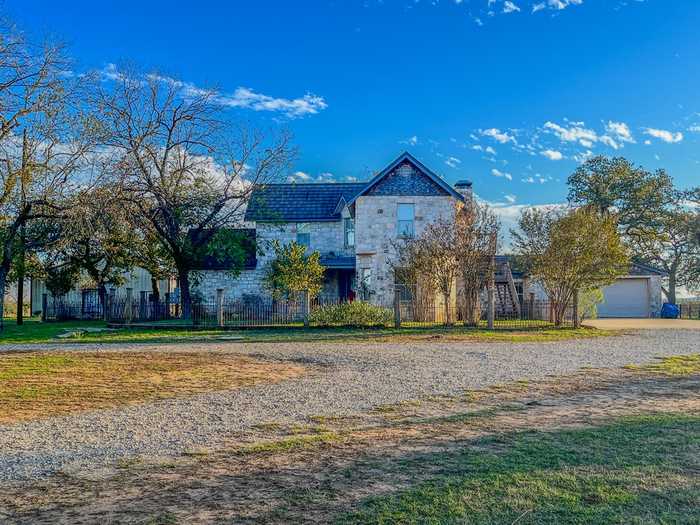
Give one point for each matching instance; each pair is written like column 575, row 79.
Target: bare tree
column 44, row 140
column 186, row 171
column 476, row 243
column 429, row 262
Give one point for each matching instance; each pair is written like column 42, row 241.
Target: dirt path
column 311, row 473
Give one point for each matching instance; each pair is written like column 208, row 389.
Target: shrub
column 357, row 313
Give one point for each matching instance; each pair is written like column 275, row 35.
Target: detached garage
column 636, row 295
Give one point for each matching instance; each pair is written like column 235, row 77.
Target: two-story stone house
column 353, row 225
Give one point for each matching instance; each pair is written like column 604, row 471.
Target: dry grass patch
column 38, row 385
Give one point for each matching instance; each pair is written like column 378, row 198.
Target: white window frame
column 401, row 232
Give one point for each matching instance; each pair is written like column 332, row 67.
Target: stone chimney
column 465, row 188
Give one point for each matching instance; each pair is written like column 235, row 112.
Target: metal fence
column 530, row 314
column 88, row 307
column 690, row 310
column 261, row 311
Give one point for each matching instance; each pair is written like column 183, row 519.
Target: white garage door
column 626, row 298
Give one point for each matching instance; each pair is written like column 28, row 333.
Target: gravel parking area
column 350, row 378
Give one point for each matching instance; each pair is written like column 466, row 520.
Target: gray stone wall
column 325, row 237
column 376, row 227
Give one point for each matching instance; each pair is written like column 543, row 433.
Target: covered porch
column 339, row 283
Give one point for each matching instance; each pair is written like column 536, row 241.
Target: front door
column 344, row 284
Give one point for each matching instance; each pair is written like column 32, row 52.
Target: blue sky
column 510, row 94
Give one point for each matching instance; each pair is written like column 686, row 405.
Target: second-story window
column 349, row 225
column 405, row 215
column 303, row 234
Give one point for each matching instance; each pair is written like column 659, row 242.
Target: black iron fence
column 408, row 310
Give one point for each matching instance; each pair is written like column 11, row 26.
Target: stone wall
column 376, row 230
column 325, row 237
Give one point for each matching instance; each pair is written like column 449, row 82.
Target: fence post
column 220, row 307
column 142, row 305
column 577, row 320
column 491, row 308
column 44, row 305
column 397, row 307
column 106, row 305
column 306, row 307
column 128, row 307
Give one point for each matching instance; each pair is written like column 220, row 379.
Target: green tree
column 614, row 186
column 96, row 238
column 293, row 271
column 570, row 251
column 674, row 247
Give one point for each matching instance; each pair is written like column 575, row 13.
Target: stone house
column 352, row 225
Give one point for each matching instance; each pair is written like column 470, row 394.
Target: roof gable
column 425, row 182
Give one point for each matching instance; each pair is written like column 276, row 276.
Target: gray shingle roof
column 299, row 202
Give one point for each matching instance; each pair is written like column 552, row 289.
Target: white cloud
column 664, row 135
column 508, row 213
column 500, row 136
column 299, row 176
column 583, row 157
column 242, row 97
column 499, row 173
column 510, row 198
column 453, row 162
column 510, row 7
column 562, row 4
column 620, row 131
column 536, row 179
column 552, row 154
column 694, row 129
column 575, row 133
column 411, row 141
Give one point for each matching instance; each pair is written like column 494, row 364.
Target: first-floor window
column 303, row 234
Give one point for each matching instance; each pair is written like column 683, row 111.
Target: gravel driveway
column 352, row 378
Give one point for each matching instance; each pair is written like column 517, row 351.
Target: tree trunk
column 20, row 278
column 20, row 298
column 183, row 279
column 446, row 299
column 3, row 283
column 472, row 306
column 102, row 296
column 155, row 291
column 672, row 287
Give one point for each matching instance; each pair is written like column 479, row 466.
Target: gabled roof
column 313, row 202
column 639, row 268
column 406, row 156
column 319, row 202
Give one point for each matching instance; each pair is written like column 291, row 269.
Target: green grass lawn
column 34, row 331
column 633, row 470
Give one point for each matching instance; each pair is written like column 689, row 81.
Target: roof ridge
column 310, row 183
